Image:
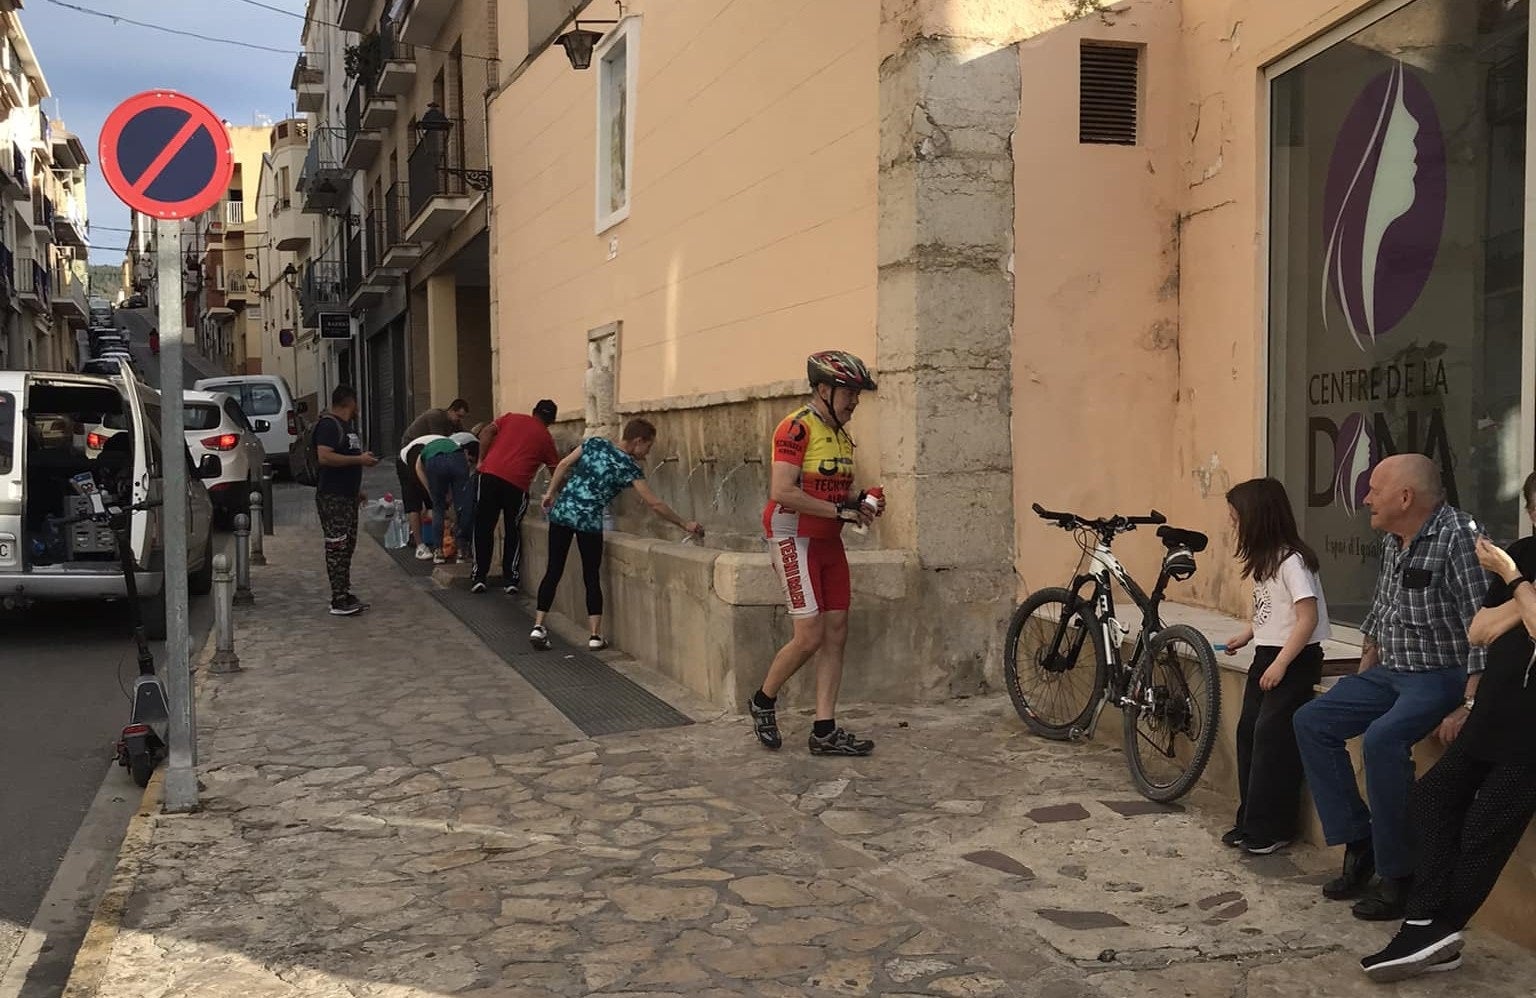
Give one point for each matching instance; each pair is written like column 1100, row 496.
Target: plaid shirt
column 1426, row 596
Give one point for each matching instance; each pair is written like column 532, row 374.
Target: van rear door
column 144, row 526
column 12, row 475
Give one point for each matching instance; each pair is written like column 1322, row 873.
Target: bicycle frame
column 1104, row 569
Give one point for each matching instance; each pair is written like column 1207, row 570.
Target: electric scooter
column 143, row 742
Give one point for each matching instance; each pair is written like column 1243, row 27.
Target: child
column 1290, row 621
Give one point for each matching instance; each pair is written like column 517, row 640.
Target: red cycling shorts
column 813, row 572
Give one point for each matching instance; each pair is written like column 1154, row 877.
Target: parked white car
column 42, row 416
column 266, row 397
column 215, row 424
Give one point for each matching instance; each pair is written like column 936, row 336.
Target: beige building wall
column 751, row 237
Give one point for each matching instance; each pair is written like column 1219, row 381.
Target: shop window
column 616, row 61
column 1397, row 167
column 1108, row 94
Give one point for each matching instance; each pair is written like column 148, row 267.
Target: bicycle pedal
column 1076, row 734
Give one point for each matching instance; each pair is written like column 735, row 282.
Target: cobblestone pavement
column 389, row 810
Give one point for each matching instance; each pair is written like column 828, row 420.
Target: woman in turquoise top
column 583, row 485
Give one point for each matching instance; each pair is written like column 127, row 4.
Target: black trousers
column 1269, row 772
column 590, row 544
column 499, row 499
column 1468, row 815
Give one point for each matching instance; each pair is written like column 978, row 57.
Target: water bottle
column 872, row 499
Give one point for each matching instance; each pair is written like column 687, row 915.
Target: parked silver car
column 43, row 420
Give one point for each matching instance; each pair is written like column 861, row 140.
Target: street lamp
column 434, row 127
column 579, row 42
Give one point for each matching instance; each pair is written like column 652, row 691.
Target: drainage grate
column 597, row 699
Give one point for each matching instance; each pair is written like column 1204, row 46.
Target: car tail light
column 95, row 441
column 224, row 441
column 293, row 423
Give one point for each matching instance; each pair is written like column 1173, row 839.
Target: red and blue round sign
column 166, row 155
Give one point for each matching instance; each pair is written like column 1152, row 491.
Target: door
column 12, row 453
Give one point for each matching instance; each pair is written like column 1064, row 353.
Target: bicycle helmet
column 839, row 369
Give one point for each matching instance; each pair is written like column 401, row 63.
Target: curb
column 95, row 951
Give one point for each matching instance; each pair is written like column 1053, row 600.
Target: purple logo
column 1384, row 205
column 1356, row 453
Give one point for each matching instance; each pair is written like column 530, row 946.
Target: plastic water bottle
column 872, row 499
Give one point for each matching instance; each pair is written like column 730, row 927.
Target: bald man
column 1417, row 672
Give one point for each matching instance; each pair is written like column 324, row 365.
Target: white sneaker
column 539, row 637
column 423, row 552
column 596, row 643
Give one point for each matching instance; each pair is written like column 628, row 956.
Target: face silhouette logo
column 797, row 432
column 1383, row 206
column 1355, row 455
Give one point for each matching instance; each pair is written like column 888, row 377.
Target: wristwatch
column 1469, row 703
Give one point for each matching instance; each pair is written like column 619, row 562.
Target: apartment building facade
column 44, row 231
column 289, row 347
column 221, row 280
column 398, row 167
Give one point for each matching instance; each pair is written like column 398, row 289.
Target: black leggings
column 1468, row 815
column 590, row 544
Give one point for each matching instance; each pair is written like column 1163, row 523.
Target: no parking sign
column 166, row 155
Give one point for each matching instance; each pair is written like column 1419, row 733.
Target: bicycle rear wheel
column 1170, row 730
column 1054, row 662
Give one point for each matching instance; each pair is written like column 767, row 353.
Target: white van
column 43, row 428
column 268, row 397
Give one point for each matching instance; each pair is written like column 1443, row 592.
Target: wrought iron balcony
column 441, row 186
column 322, row 289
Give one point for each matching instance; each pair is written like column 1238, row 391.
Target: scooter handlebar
column 64, row 521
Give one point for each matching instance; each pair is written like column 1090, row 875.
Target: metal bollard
column 224, row 657
column 269, row 522
column 258, row 520
column 243, row 596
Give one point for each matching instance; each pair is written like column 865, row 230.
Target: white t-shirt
column 1274, row 603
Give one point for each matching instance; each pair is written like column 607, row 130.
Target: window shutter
column 1108, row 91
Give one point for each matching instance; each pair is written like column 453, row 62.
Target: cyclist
column 810, row 498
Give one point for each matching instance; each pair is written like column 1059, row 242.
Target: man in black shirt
column 341, row 457
column 1471, row 809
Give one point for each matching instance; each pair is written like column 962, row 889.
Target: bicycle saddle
column 1174, row 537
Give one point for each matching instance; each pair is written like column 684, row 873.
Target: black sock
column 822, row 729
column 763, row 701
column 1361, row 846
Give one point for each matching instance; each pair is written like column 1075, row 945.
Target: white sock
column 1420, row 922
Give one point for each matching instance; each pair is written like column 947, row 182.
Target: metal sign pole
column 180, row 775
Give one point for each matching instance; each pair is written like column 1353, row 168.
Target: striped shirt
column 1426, row 596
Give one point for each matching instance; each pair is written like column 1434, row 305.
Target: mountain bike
column 1167, row 690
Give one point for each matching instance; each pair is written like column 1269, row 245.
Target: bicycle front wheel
column 1054, row 662
column 1172, row 726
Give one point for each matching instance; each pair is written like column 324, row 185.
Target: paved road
column 62, row 681
column 63, row 672
column 137, row 323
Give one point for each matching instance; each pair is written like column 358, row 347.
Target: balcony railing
column 42, row 210
column 436, row 169
column 306, row 70
column 326, row 149
column 323, row 288
column 19, row 165
column 7, row 273
column 354, row 112
column 234, row 212
column 33, row 281
column 354, row 263
column 373, row 238
column 395, row 207
column 69, row 289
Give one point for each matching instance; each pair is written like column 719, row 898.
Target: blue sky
column 92, row 64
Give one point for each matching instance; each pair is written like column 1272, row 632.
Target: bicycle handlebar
column 1117, row 524
column 64, row 521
